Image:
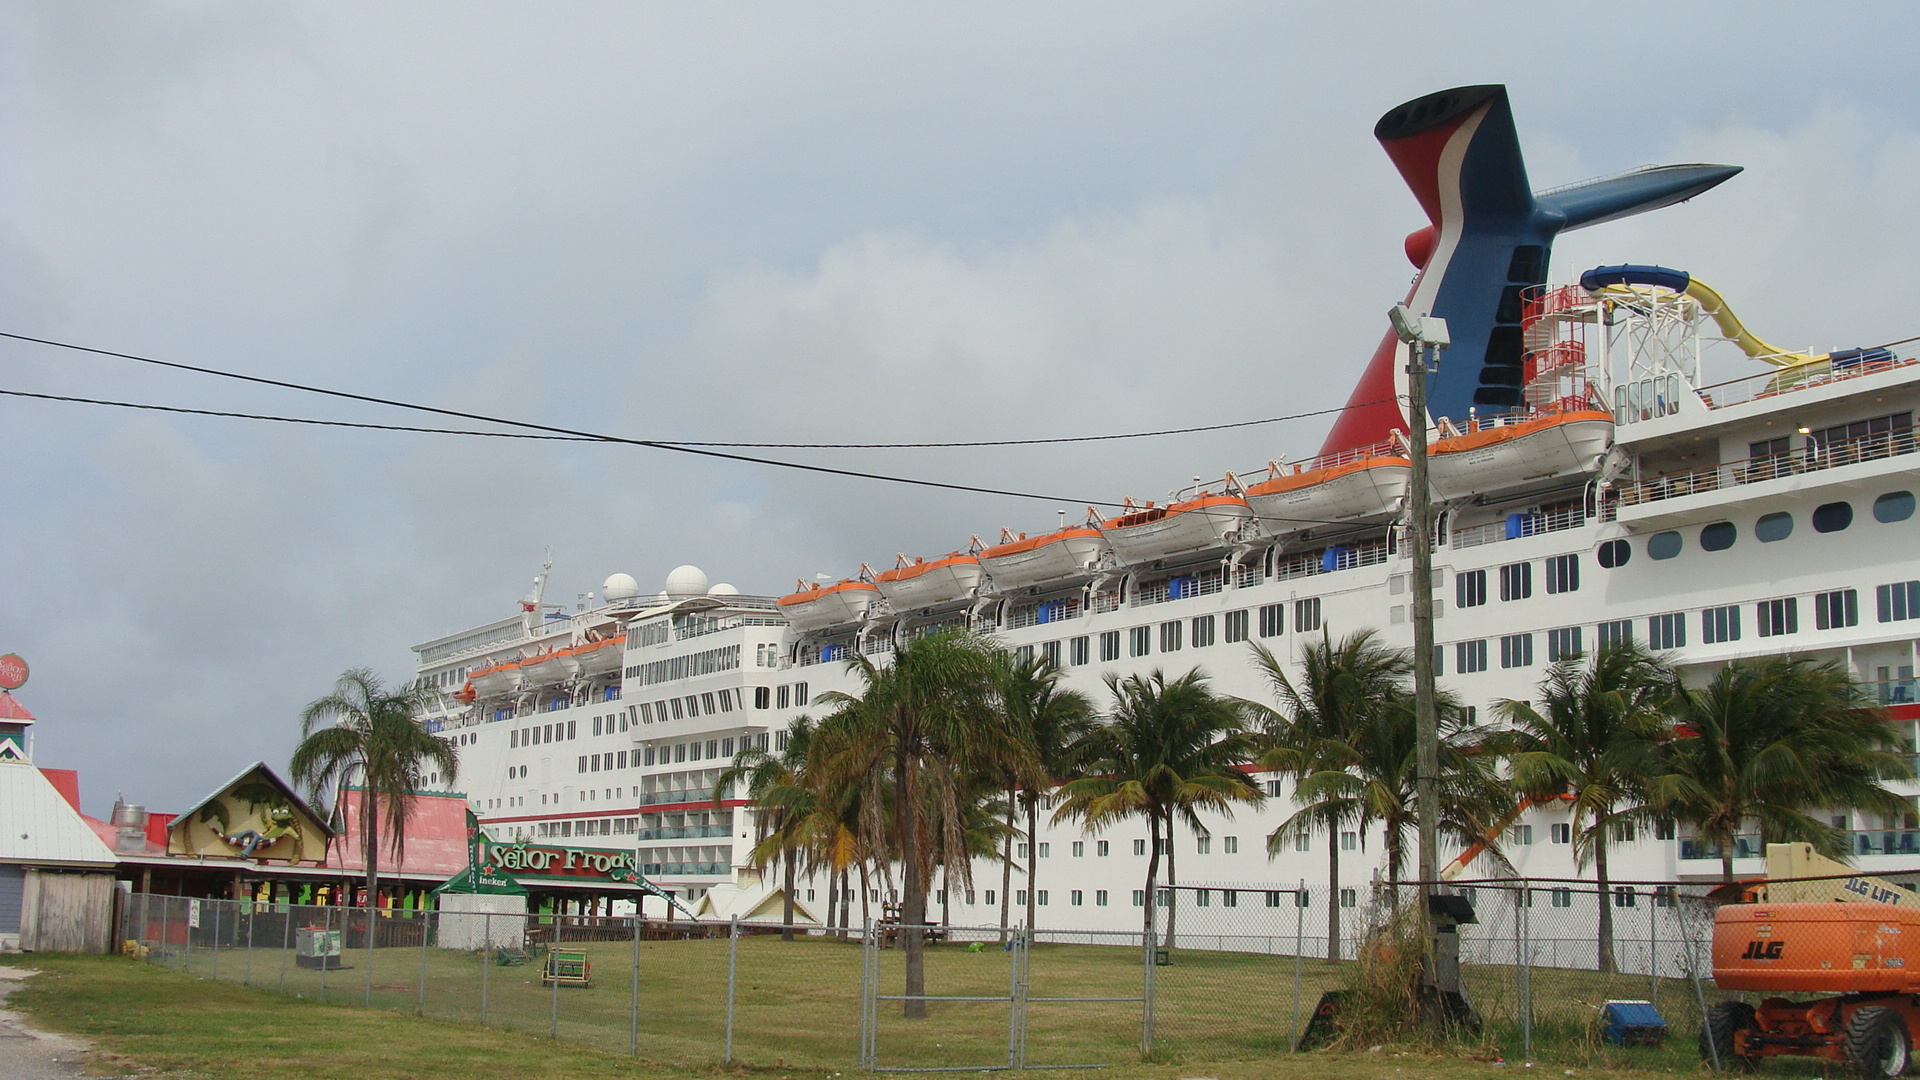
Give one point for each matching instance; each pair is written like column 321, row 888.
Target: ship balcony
column 683, row 868
column 1677, row 497
column 685, row 832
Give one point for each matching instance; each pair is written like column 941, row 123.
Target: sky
column 878, row 222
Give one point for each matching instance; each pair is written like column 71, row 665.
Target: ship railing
column 1516, row 526
column 684, row 832
column 1779, row 381
column 874, row 646
column 1745, row 846
column 653, row 869
column 1047, row 611
column 1895, row 692
column 1104, row 602
column 1248, row 574
column 1179, row 587
column 1331, row 559
column 689, row 795
column 1754, row 470
column 1388, row 447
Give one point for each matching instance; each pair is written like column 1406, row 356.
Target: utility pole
column 1422, row 334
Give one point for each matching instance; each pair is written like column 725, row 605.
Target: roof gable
column 41, row 827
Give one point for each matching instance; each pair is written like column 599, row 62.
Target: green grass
column 797, row 1003
column 182, row 1025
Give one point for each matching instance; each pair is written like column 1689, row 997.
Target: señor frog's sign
column 525, row 859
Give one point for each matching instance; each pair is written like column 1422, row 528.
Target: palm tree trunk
column 370, row 831
column 846, row 904
column 1153, row 872
column 833, row 900
column 1726, row 862
column 1033, row 853
column 866, row 892
column 913, row 898
column 1006, row 869
column 786, row 919
column 1333, row 889
column 1606, row 898
column 1173, row 879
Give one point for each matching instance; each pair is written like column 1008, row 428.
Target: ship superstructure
column 1646, row 467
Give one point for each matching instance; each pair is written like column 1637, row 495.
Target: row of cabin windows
column 541, row 734
column 1516, row 581
column 1837, row 609
column 1200, row 632
column 1833, row 517
column 687, row 751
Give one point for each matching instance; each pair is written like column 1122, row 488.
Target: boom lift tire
column 1877, row 1043
column 1716, row 1035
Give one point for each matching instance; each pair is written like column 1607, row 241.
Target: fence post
column 1700, row 996
column 868, row 977
column 1526, row 970
column 373, row 903
column 1299, row 942
column 247, row 978
column 286, row 941
column 633, row 1005
column 486, row 960
column 1653, row 945
column 549, row 967
column 420, row 1004
column 326, row 949
column 1146, row 992
column 733, row 957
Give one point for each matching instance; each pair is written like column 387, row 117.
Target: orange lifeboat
column 544, row 668
column 1353, row 485
column 1491, row 456
column 465, row 694
column 1144, row 534
column 1020, row 562
column 914, row 583
column 497, row 678
column 598, row 657
column 816, row 607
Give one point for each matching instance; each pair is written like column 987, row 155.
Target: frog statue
column 280, row 823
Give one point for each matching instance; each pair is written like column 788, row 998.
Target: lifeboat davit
column 1019, row 562
column 498, row 678
column 918, row 583
column 1501, row 456
column 598, row 657
column 1159, row 532
column 817, row 607
column 1355, row 485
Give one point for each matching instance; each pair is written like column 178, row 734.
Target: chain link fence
column 1227, row 973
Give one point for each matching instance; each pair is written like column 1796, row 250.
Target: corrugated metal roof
column 37, row 825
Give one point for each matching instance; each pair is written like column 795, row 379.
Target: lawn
column 797, row 1003
column 184, row 1025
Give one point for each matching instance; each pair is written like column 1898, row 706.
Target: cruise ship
column 1615, row 456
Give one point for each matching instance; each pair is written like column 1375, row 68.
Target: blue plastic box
column 1632, row 1023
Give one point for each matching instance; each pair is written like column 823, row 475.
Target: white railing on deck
column 1769, row 467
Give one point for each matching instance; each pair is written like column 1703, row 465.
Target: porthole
column 1893, row 506
column 1772, row 527
column 1718, row 536
column 1832, row 517
column 1614, row 553
column 1663, row 545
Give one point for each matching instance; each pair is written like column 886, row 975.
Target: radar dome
column 723, row 589
column 620, row 587
column 686, row 581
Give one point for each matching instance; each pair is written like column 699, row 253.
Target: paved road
column 30, row 1054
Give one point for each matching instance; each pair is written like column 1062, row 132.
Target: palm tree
column 1593, row 739
column 1344, row 688
column 1054, row 723
column 1768, row 740
column 915, row 740
column 1169, row 749
column 368, row 727
column 784, row 799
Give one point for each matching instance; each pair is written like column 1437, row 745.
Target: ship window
column 1202, row 631
column 680, row 752
column 1720, row 624
column 1777, row 617
column 649, row 755
column 1236, row 626
column 800, row 695
column 783, row 696
column 1899, row 601
column 1023, row 653
column 1306, row 615
column 596, row 725
column 1614, row 553
column 1470, row 588
column 1718, row 536
column 693, row 705
column 1893, row 506
column 1663, row 545
column 1078, row 651
column 1773, row 527
column 1563, row 644
column 763, row 697
column 1836, row 610
column 1613, row 633
column 1050, row 652
column 1832, row 517
column 1563, row 574
column 1273, row 620
column 693, row 751
column 1109, row 646
column 1516, row 581
column 1516, row 650
column 1140, row 640
column 1470, row 656
column 679, row 710
column 726, row 700
column 1667, row 631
